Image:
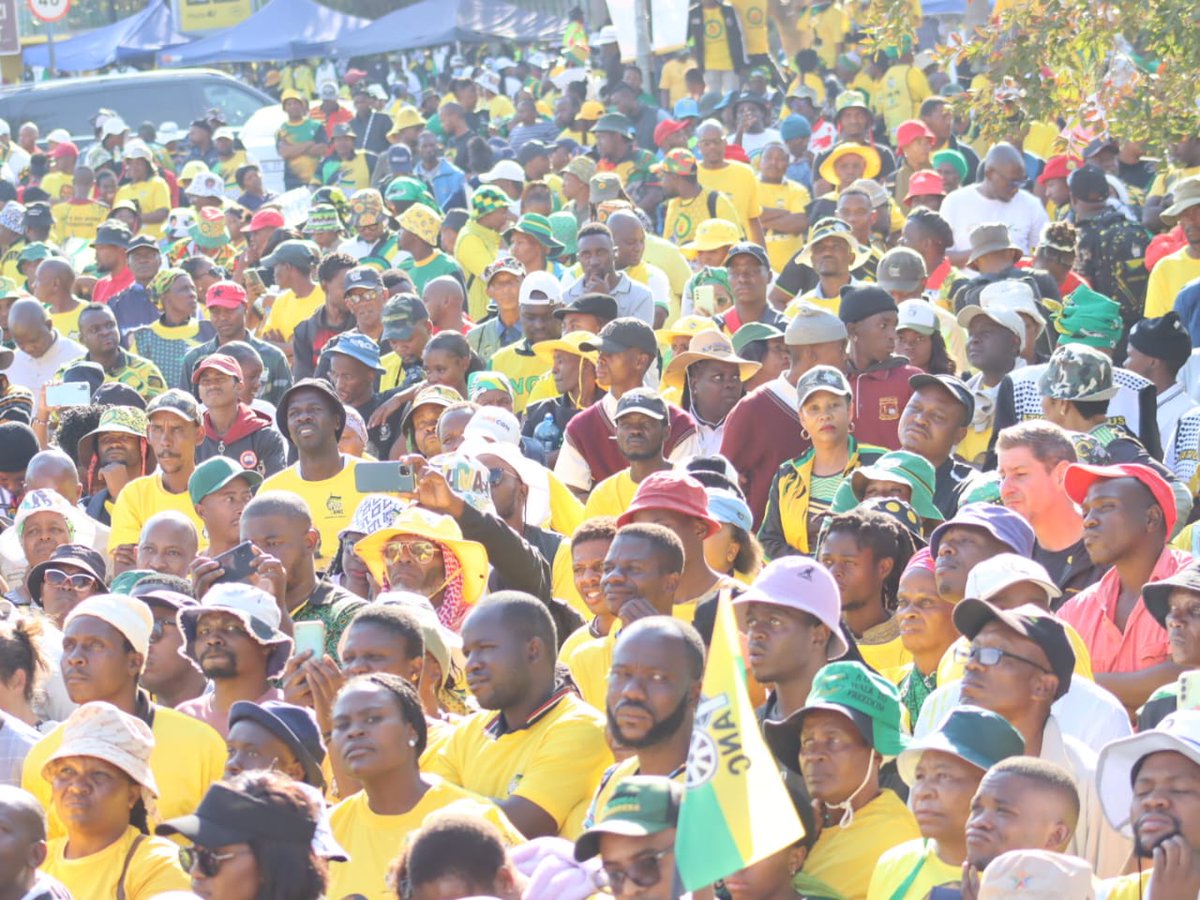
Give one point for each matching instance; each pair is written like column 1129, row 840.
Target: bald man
column 168, row 544
column 41, row 348
column 446, row 302
column 629, row 246
column 999, row 196
column 53, row 283
column 23, row 848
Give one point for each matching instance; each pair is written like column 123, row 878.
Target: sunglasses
column 203, row 860
column 419, row 552
column 76, row 582
column 991, row 656
column 644, row 872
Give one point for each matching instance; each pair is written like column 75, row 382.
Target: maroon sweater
column 594, row 435
column 880, row 395
column 761, row 434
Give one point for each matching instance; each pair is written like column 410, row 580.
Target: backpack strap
column 133, row 848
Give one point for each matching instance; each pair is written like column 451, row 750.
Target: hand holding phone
column 704, row 300
column 71, row 393
column 236, row 563
column 385, row 478
column 309, row 636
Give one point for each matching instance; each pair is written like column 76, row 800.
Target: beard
column 221, row 667
column 1146, row 851
column 658, row 732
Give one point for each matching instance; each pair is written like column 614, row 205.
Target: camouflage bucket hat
column 366, row 208
column 209, row 231
column 1077, row 372
column 113, row 420
column 161, row 283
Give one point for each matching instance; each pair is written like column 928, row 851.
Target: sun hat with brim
column 1184, row 195
column 422, row 222
column 902, row 467
column 209, row 231
column 1032, row 622
column 977, row 736
column 1079, row 478
column 322, row 387
column 868, row 153
column 431, row 395
column 640, row 806
column 712, row 234
column 1177, row 733
column 925, row 184
column 295, row 726
column 101, row 731
column 673, row 491
column 850, row 99
column 538, row 227
column 802, row 584
column 865, row 697
column 533, row 475
column 1000, row 522
column 832, row 227
column 707, row 345
column 80, row 556
column 214, row 473
column 990, row 237
column 1014, row 294
column 116, row 420
column 42, row 500
column 615, row 123
column 254, row 607
column 416, row 522
column 128, row 616
column 360, row 348
column 572, row 342
column 406, row 117
column 1157, row 594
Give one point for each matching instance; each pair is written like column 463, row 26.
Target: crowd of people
column 372, row 545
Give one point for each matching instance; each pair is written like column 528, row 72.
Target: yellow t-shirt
column 373, row 841
column 897, row 865
column 831, row 25
column 152, row 195
column 673, row 81
column 188, row 756
column 844, row 858
column 331, row 502
column 1167, row 279
column 716, row 42
column 77, row 220
column 886, row 657
column 752, row 16
column 590, row 664
column 950, row 669
column 736, row 180
column 288, row 311
column 684, row 215
column 562, row 579
column 612, row 496
column 154, row 869
column 1133, row 886
column 138, row 501
column 790, row 196
column 555, row 762
column 524, row 368
column 902, row 90
column 58, row 185
column 1163, row 183
column 67, row 322
column 574, row 641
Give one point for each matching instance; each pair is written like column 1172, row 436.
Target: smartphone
column 309, row 636
column 236, row 563
column 71, row 393
column 704, row 300
column 385, row 478
column 254, row 280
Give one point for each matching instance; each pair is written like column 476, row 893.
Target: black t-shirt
column 1070, row 568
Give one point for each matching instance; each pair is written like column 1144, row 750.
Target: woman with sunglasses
column 101, row 783
column 379, row 734
column 257, row 837
column 72, row 573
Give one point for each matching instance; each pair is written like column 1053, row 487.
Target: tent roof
column 430, row 22
column 139, row 35
column 281, row 30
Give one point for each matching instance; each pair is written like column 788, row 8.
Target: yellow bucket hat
column 710, row 235
column 685, row 326
column 423, row 222
column 406, row 117
column 869, row 154
column 569, row 343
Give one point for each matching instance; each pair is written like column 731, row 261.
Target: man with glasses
column 634, row 837
column 999, row 197
column 234, row 636
column 1019, row 662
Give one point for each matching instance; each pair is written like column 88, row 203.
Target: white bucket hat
column 102, row 731
column 1177, row 733
column 256, row 609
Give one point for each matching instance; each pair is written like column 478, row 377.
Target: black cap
column 625, row 333
column 143, row 240
column 951, row 384
column 859, row 303
column 1088, row 183
column 38, row 213
column 90, row 373
column 295, row 726
column 602, row 306
column 748, row 248
column 367, row 277
column 972, row 614
column 322, row 387
column 1164, row 338
column 455, row 219
column 1098, row 145
column 531, row 150
column 644, row 401
column 112, row 232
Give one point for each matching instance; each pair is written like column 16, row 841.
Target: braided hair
column 885, row 537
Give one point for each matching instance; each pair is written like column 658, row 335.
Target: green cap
column 410, row 190
column 902, row 467
column 640, row 805
column 982, row 487
column 216, row 472
column 751, row 332
column 298, row 253
column 1088, row 317
column 1077, row 372
column 976, row 736
column 536, row 226
column 36, row 251
column 400, row 315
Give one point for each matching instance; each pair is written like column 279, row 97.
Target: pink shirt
column 202, row 708
column 1092, row 612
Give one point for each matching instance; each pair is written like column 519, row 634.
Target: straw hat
column 707, row 345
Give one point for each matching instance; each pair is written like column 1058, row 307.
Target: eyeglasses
column 159, row 628
column 645, row 872
column 495, row 476
column 419, row 552
column 205, row 861
column 991, row 656
column 77, row 581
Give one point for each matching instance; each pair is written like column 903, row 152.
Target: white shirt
column 966, row 207
column 32, row 372
column 1172, row 404
column 753, row 143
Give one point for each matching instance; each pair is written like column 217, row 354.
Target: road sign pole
column 50, row 48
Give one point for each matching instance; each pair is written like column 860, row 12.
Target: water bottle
column 549, row 434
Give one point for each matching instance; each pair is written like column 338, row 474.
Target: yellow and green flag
column 736, row 810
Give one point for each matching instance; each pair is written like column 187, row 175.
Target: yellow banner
column 203, row 15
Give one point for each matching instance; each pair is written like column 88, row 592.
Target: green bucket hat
column 410, row 190
column 488, row 199
column 977, row 736
column 868, row 699
column 901, row 467
column 983, row 487
column 565, row 227
column 1088, row 317
column 479, row 383
column 36, row 252
column 617, row 123
column 640, row 805
column 538, row 227
column 954, row 158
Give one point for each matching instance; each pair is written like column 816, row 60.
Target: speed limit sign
column 49, row 10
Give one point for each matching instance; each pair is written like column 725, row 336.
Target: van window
column 233, row 100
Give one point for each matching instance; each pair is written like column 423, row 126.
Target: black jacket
column 733, row 34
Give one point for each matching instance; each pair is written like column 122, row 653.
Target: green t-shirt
column 437, row 265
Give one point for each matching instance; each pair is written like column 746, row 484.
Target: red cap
column 221, row 362
column 674, row 491
column 64, row 148
column 1081, row 477
column 226, row 294
column 665, row 129
column 1059, row 167
column 924, row 183
column 354, row 76
column 907, row 132
column 266, row 218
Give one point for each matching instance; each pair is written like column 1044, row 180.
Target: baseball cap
column 925, row 184
column 996, row 573
column 665, row 129
column 509, row 264
column 674, row 491
column 918, row 316
column 977, row 736
column 747, row 248
column 216, row 472
column 625, row 333
column 266, row 218
column 901, row 269
column 1005, row 318
column 822, row 378
column 811, row 324
column 800, row 583
column 640, row 805
column 1177, row 733
column 1000, row 522
column 299, row 253
column 504, row 170
column 644, row 401
column 114, row 233
column 225, row 294
column 949, row 383
column 221, row 362
column 176, row 402
column 1038, row 625
column 295, row 726
column 602, row 306
column 400, row 314
column 1087, row 183
column 1012, row 293
column 1080, row 477
column 327, row 90
column 362, row 278
column 543, row 283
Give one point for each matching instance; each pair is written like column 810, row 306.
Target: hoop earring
column 804, row 434
column 852, row 426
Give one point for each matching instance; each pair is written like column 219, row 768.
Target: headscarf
column 1090, row 318
column 955, row 158
column 161, row 283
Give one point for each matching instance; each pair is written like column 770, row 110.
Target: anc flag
column 736, row 810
